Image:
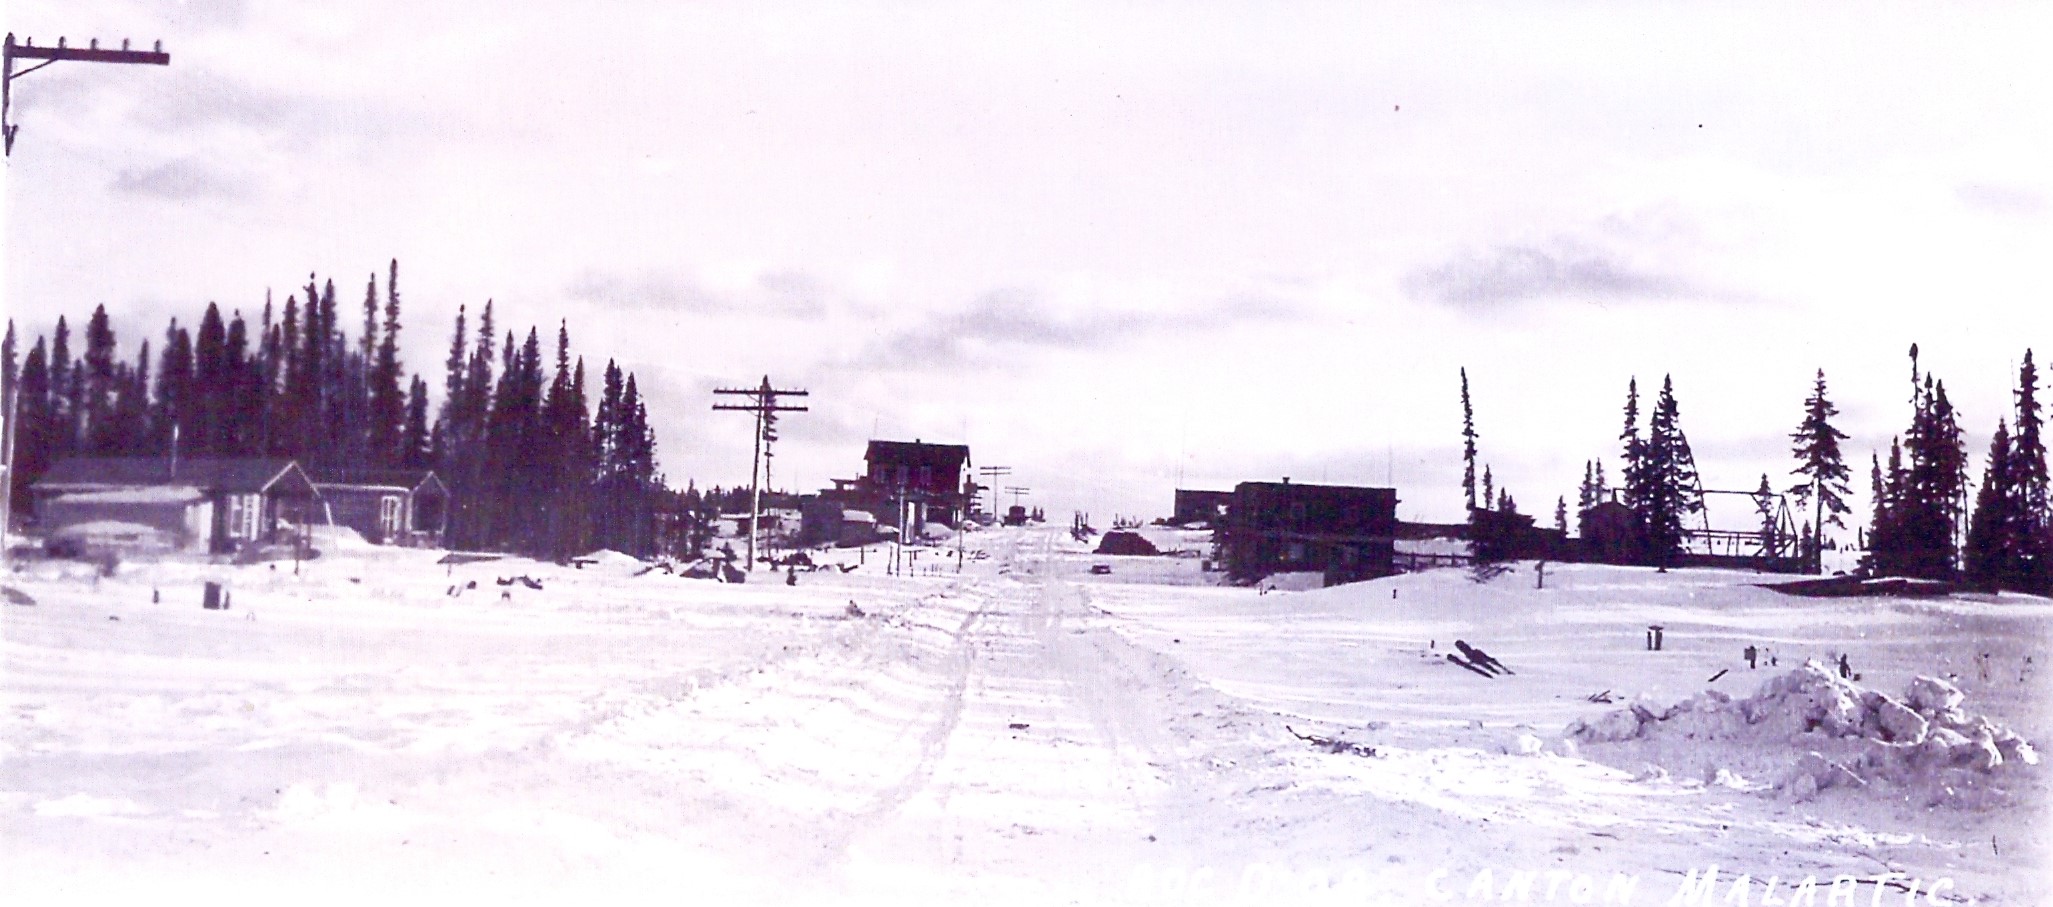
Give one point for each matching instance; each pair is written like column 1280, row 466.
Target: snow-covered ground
column 1024, row 731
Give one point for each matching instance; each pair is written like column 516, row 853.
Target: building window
column 388, row 515
column 245, row 512
column 1295, row 551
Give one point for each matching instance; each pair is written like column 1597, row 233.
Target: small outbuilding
column 216, row 505
column 1609, row 533
column 402, row 506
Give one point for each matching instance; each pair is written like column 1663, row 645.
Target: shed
column 1609, row 533
column 216, row 505
column 409, row 506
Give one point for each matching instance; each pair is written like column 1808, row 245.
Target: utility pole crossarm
column 91, row 53
column 763, row 402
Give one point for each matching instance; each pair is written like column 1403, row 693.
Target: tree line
column 538, row 460
column 1923, row 524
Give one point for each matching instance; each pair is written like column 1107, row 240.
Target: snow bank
column 116, row 534
column 1830, row 733
column 335, row 538
column 1120, row 541
column 607, row 557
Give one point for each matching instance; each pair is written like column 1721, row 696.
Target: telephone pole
column 762, row 402
column 91, row 53
column 1016, row 491
column 993, row 474
column 28, row 50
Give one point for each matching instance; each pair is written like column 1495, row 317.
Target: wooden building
column 398, row 506
column 1199, row 506
column 200, row 505
column 911, row 483
column 1345, row 532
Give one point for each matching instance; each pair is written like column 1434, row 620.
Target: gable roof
column 415, row 480
column 234, row 475
column 943, row 457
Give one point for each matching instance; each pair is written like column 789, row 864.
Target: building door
column 389, row 513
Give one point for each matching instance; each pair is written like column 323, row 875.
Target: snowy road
column 1020, row 732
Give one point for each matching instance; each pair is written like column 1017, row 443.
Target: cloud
column 186, row 101
column 1015, row 319
column 2012, row 200
column 181, row 180
column 1511, row 274
column 784, row 294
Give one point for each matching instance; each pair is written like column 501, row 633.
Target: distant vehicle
column 1101, row 569
column 1016, row 516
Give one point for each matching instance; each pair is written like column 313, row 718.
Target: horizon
column 1122, row 251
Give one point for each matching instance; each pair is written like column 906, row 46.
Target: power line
column 762, row 402
column 91, row 53
column 994, row 473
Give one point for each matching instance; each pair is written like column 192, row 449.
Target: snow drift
column 1120, row 541
column 1826, row 732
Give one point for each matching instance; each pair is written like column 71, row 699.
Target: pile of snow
column 1830, row 733
column 335, row 538
column 1120, row 541
column 607, row 557
column 1434, row 545
column 1298, row 581
column 115, row 534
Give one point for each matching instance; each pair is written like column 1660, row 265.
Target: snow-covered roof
column 413, row 480
column 235, row 475
column 143, row 494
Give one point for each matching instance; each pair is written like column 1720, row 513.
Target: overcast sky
column 1115, row 247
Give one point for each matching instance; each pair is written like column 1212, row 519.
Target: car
column 1101, row 569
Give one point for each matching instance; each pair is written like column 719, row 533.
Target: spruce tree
column 245, row 409
column 1669, row 490
column 1632, row 473
column 452, row 393
column 211, row 387
column 416, row 446
column 389, row 405
column 10, row 368
column 97, row 394
column 1468, row 444
column 1819, row 460
column 174, row 389
column 1993, row 558
column 1764, row 507
column 33, row 407
column 2029, row 479
column 60, row 428
column 1926, row 495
